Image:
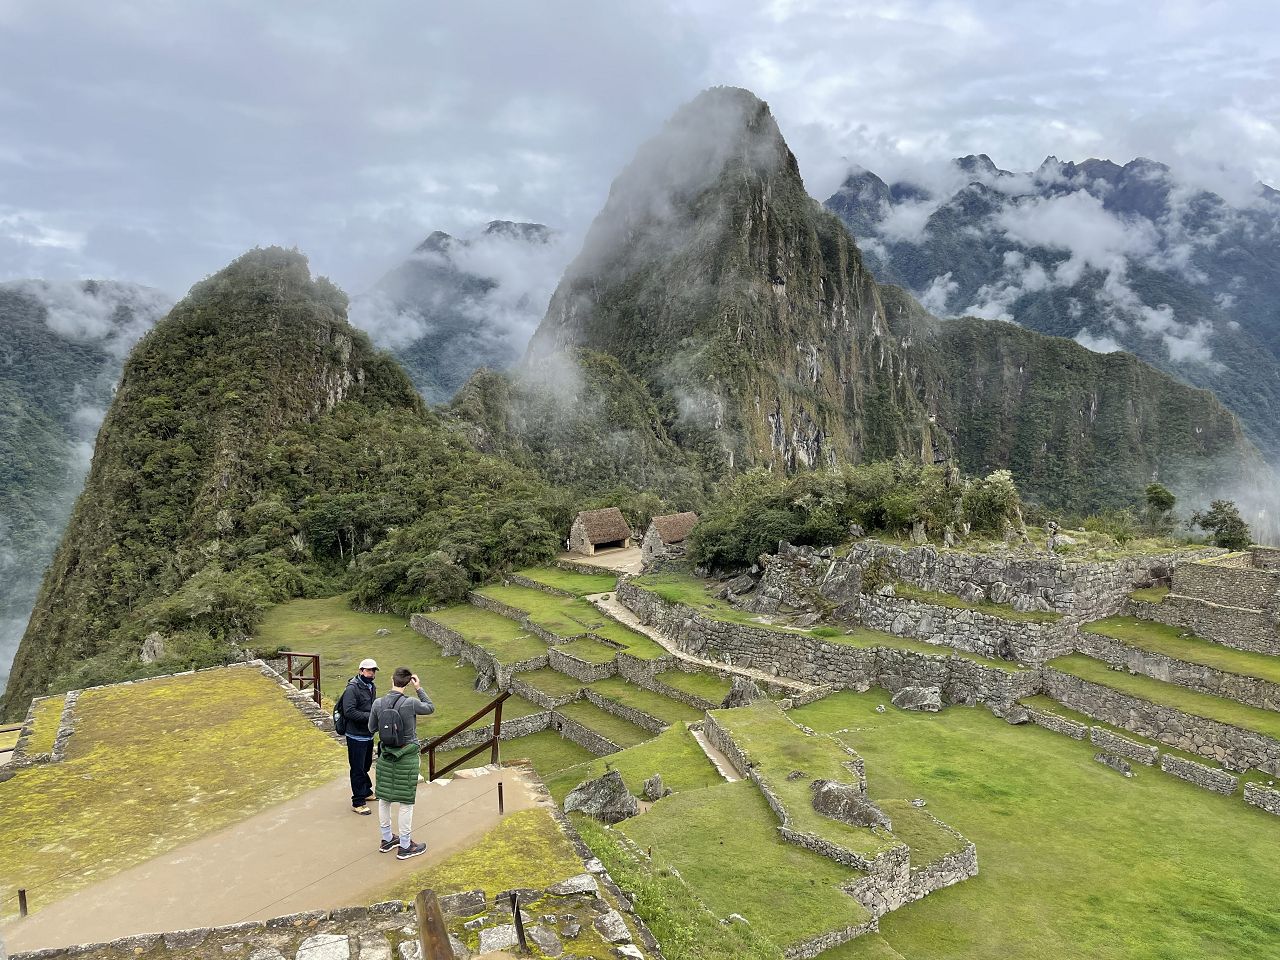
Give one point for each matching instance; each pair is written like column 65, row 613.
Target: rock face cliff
column 253, row 352
column 713, row 276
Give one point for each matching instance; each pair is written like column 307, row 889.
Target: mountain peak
column 438, row 242
column 518, row 230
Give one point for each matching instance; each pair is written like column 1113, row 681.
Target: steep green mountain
column 1119, row 257
column 744, row 311
column 61, row 349
column 258, row 447
column 459, row 304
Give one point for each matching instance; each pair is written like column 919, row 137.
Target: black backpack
column 390, row 724
column 340, row 718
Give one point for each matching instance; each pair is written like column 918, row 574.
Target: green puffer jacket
column 398, row 773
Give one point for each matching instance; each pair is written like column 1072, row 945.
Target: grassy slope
column 705, row 685
column 45, row 731
column 1149, row 594
column 505, row 639
column 673, row 753
column 566, row 617
column 1075, row 861
column 724, row 841
column 1184, row 645
column 1266, row 722
column 592, row 651
column 170, row 760
column 552, row 682
column 654, row 704
column 546, row 750
column 581, row 584
column 622, row 732
column 343, row 637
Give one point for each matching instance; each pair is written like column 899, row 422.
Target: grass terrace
column 45, row 731
column 724, row 842
column 1266, row 722
column 908, row 591
column 1149, row 594
column 552, row 682
column 592, row 651
column 579, row 584
column 1075, row 860
column 546, row 751
column 673, row 753
column 568, row 618
column 622, row 732
column 1186, row 646
column 343, row 637
column 928, row 839
column 775, row 747
column 654, row 704
column 505, row 639
column 705, row 685
column 243, row 747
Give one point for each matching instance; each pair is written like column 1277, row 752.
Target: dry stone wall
column 1231, row 581
column 454, row 644
column 1063, row 725
column 1265, row 798
column 637, row 717
column 1234, row 748
column 1237, row 627
column 1207, row 777
column 1123, row 746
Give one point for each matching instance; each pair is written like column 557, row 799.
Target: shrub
column 1224, row 522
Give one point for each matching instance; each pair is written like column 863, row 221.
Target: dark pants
column 360, row 756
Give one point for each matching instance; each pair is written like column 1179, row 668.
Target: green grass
column 776, row 747
column 673, row 753
column 622, row 732
column 592, row 651
column 45, row 731
column 552, row 682
column 865, row 639
column 151, row 766
column 724, row 842
column 705, row 685
column 908, row 591
column 568, row 618
column 654, row 704
column 546, row 750
column 1184, row 645
column 928, row 840
column 343, row 637
column 580, row 584
column 1075, row 861
column 505, row 639
column 1149, row 594
column 1266, row 722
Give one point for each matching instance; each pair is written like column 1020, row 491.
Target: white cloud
column 1098, row 344
column 935, row 297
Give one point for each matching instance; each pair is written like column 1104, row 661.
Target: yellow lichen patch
column 150, row 766
column 526, row 849
column 48, row 713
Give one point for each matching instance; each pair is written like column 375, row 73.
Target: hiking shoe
column 363, row 810
column 412, row 850
column 386, row 846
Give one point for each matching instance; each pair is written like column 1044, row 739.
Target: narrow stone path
column 718, row 759
column 615, row 608
column 306, row 854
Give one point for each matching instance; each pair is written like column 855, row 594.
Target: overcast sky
column 154, row 141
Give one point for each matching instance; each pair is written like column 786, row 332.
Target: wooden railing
column 306, row 674
column 491, row 744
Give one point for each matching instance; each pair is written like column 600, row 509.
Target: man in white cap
column 355, row 703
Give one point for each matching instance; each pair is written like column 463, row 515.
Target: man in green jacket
column 394, row 718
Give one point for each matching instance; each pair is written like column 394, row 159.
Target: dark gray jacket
column 409, row 709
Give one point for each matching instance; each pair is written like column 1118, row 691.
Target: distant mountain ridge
column 62, row 346
column 459, row 304
column 1116, row 257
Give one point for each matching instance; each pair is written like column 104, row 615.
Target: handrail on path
column 430, row 747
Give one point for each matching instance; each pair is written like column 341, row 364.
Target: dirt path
column 615, row 608
column 306, row 854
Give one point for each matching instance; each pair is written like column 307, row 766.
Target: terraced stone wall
column 817, row 661
column 1063, row 725
column 1231, row 580
column 584, row 737
column 1197, row 773
column 1234, row 748
column 454, row 644
column 963, row 629
column 1243, row 629
column 1080, row 591
column 1265, row 558
column 1262, row 797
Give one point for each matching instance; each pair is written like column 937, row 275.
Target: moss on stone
column 48, row 713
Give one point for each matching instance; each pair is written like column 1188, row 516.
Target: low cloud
column 1098, row 344
column 112, row 315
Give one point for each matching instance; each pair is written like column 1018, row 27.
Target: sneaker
column 412, row 850
column 386, row 846
column 363, row 810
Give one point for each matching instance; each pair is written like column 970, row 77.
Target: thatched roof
column 604, row 526
column 674, row 527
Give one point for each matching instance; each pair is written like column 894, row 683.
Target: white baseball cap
column 368, row 663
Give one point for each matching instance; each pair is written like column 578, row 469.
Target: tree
column 1159, row 502
column 1223, row 520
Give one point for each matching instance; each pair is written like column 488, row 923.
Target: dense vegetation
column 258, row 448
column 753, row 511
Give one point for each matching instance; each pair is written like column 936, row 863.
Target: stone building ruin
column 596, row 530
column 666, row 537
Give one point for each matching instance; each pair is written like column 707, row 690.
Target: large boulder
column 743, row 692
column 605, row 798
column 918, row 698
column 845, row 802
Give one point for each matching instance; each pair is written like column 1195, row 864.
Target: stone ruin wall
column 1265, row 558
column 1230, row 581
column 1252, row 630
column 1079, row 591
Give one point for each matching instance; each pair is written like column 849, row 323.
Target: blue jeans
column 360, row 756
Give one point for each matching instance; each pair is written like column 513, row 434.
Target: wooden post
column 515, row 915
column 433, row 938
column 500, row 810
column 22, row 902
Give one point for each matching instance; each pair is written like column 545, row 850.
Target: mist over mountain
column 62, row 346
column 459, row 304
column 1117, row 257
